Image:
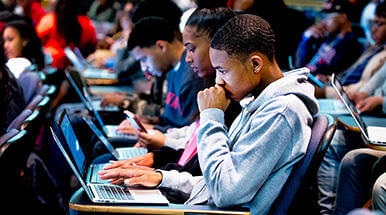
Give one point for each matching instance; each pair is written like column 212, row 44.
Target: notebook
column 372, row 134
column 122, row 153
column 108, row 193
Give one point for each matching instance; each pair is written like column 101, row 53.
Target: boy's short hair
column 245, row 34
column 147, row 31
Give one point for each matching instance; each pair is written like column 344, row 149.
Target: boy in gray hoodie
column 249, row 164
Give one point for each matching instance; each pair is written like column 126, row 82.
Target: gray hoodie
column 249, row 164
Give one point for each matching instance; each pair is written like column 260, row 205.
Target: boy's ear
column 161, row 44
column 256, row 62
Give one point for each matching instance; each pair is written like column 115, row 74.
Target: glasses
column 376, row 23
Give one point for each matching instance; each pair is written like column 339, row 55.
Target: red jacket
column 54, row 43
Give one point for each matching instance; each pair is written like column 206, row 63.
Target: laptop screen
column 349, row 104
column 72, row 141
column 99, row 134
column 74, row 59
column 84, row 96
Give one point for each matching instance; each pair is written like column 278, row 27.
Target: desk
column 99, row 81
column 349, row 123
column 80, row 203
column 100, row 90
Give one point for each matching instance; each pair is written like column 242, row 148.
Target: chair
column 295, row 195
column 30, row 82
column 19, row 120
column 8, row 135
column 34, row 103
column 14, row 154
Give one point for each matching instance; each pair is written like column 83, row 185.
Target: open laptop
column 87, row 70
column 122, row 153
column 74, row 147
column 108, row 193
column 109, row 130
column 81, row 88
column 372, row 134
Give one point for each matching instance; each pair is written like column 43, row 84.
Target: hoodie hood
column 294, row 82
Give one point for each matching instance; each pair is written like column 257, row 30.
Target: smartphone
column 134, row 121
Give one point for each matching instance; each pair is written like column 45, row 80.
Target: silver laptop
column 76, row 151
column 87, row 70
column 372, row 134
column 108, row 130
column 122, row 153
column 108, row 193
column 82, row 89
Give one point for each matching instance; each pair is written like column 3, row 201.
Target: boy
column 264, row 142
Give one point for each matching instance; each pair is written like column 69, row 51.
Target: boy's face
column 236, row 77
column 378, row 29
column 197, row 54
column 152, row 59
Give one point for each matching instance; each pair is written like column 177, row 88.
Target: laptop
column 87, row 70
column 332, row 106
column 74, row 147
column 375, row 135
column 122, row 153
column 108, row 193
column 108, row 130
column 82, row 88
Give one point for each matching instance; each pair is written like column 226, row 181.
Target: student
column 160, row 52
column 365, row 62
column 200, row 28
column 345, row 141
column 358, row 173
column 371, row 96
column 11, row 96
column 274, row 109
column 177, row 149
column 19, row 39
column 325, row 45
column 66, row 27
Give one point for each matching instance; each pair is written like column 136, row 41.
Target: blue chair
column 295, row 195
column 8, row 135
column 31, row 83
column 14, row 154
column 34, row 103
column 19, row 120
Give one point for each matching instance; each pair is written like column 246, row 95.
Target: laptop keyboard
column 112, row 192
column 95, row 178
column 132, row 152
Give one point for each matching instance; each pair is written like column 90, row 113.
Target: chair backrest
column 5, row 137
column 34, row 103
column 14, row 154
column 30, row 82
column 44, row 89
column 19, row 120
column 321, row 135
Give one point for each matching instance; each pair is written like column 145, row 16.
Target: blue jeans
column 342, row 142
column 356, row 179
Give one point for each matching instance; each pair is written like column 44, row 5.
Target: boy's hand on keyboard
column 132, row 176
